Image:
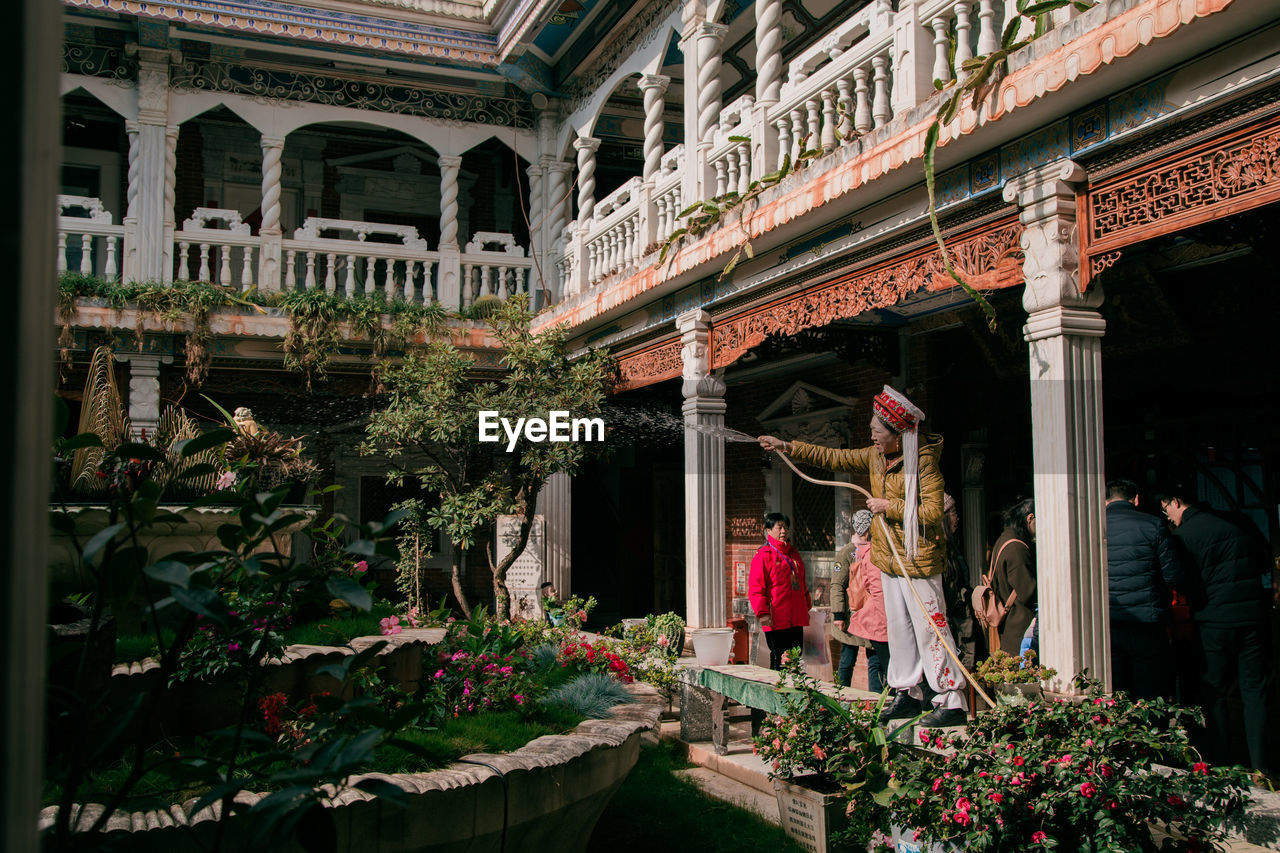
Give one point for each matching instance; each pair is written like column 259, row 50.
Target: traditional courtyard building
column 1113, row 196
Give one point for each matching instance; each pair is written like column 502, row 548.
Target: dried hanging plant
column 102, row 414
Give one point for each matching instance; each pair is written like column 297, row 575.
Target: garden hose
column 901, row 567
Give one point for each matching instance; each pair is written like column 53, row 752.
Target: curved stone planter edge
column 551, row 792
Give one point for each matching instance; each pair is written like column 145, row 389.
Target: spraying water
column 724, row 432
column 650, row 422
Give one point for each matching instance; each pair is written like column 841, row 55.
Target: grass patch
column 338, row 630
column 135, row 647
column 656, row 810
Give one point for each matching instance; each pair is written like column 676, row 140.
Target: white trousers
column 914, row 649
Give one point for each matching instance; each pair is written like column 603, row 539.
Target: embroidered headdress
column 904, row 417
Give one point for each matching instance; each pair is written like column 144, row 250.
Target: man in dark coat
column 1226, row 566
column 1142, row 568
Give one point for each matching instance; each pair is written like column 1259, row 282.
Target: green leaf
column 205, row 440
column 231, row 421
column 690, row 209
column 84, row 439
column 349, row 591
column 171, row 572
column 135, row 450
column 739, row 138
column 99, row 541
column 384, row 790
column 204, row 602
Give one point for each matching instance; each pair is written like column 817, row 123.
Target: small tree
column 436, row 400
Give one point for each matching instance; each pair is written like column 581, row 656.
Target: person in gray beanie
column 864, row 625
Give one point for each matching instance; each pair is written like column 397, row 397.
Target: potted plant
column 1034, row 776
column 1014, row 680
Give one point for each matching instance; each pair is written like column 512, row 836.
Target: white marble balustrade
column 88, row 242
column 731, row 150
column 613, row 242
column 492, row 264
column 214, row 245
column 337, row 255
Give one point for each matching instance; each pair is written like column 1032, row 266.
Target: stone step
column 735, row 793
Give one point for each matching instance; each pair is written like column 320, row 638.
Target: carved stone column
column 764, row 156
column 449, row 281
column 150, row 184
column 144, row 393
column 170, row 199
column 558, row 180
column 129, row 263
column 653, row 86
column 704, row 406
column 1064, row 331
column 586, row 147
column 270, row 232
column 555, row 502
column 709, row 37
column 539, row 281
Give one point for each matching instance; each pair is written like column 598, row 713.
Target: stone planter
column 547, row 795
column 1017, row 694
column 808, row 816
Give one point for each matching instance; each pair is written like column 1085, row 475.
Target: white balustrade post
column 988, row 37
column 941, row 49
column 1064, row 331
column 579, row 279
column 881, row 110
column 862, row 108
column 450, row 286
column 170, row 199
column 61, row 265
column 913, row 57
column 964, row 50
column 704, row 406
column 269, row 232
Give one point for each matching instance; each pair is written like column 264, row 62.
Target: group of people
column 913, row 617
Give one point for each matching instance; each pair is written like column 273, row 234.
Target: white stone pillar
column 709, row 38
column 170, row 199
column 449, row 280
column 768, row 50
column 539, row 279
column 270, row 232
column 144, row 393
column 586, row 147
column 654, row 86
column 1064, row 331
column 557, row 200
column 973, row 508
column 704, row 405
column 555, row 502
column 149, row 183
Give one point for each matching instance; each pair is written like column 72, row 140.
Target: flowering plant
column 839, row 746
column 253, row 630
column 584, row 656
column 1026, row 777
column 467, row 683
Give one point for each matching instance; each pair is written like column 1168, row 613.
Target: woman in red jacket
column 777, row 589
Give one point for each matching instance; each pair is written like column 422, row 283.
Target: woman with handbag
column 1013, row 577
column 857, row 606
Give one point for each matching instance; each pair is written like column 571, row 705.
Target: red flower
column 1018, row 760
column 1087, row 789
column 1176, row 801
column 1038, row 836
column 939, row 620
column 996, row 797
column 1200, row 767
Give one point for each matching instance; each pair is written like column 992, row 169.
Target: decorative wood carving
column 1100, row 263
column 1221, row 177
column 655, row 364
column 988, row 260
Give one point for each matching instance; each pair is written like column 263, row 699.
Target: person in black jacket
column 1142, row 568
column 1227, row 602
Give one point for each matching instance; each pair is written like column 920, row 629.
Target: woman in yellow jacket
column 906, row 488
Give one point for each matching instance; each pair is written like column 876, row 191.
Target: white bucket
column 711, row 646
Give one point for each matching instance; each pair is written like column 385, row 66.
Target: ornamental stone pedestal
column 1064, row 332
column 703, row 410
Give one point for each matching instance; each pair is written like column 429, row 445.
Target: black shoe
column 940, row 718
column 903, row 707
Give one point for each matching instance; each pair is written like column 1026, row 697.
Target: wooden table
column 756, row 688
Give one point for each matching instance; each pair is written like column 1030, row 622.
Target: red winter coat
column 769, row 585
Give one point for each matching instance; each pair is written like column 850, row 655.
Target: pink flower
column 1018, row 760
column 390, row 625
column 963, row 804
column 233, row 647
column 1200, row 767
column 819, row 753
column 1087, row 789
column 924, row 738
column 663, row 641
column 963, row 818
column 1038, row 836
column 1176, row 801
column 360, row 567
column 226, row 481
column 996, row 797
column 581, row 615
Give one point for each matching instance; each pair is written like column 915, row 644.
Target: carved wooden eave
column 1229, row 174
column 988, row 260
column 650, row 365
